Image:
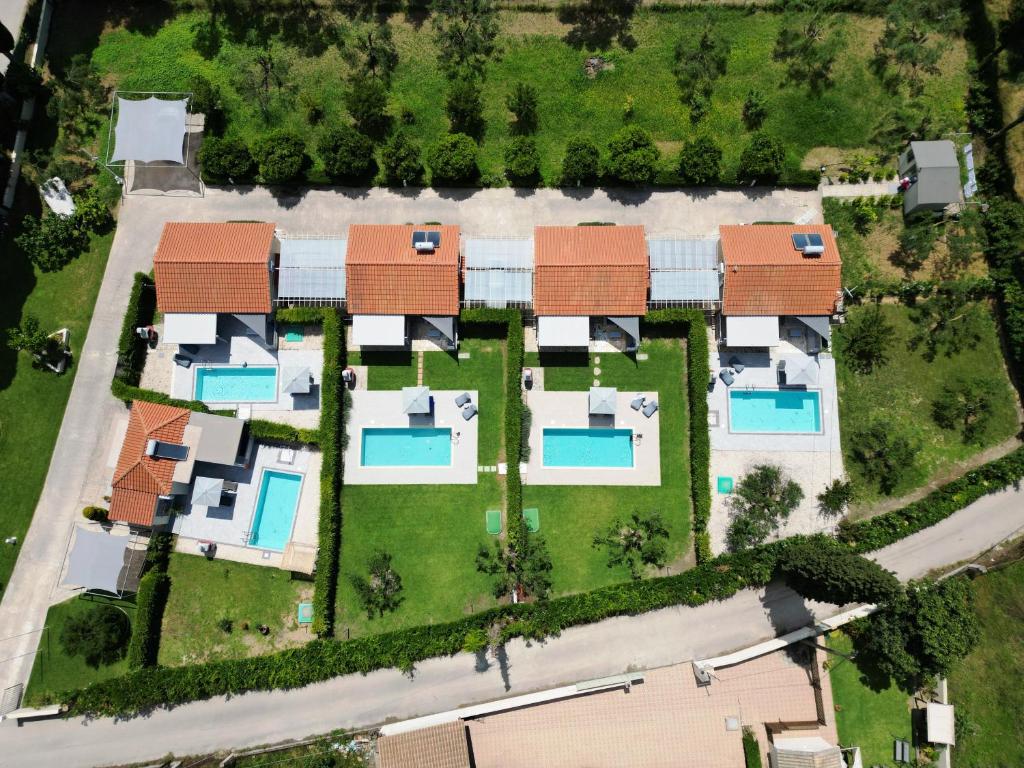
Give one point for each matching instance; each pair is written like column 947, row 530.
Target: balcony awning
column 187, row 328
column 752, row 331
column 819, row 324
column 446, row 325
column 558, row 331
column 378, row 330
column 630, row 325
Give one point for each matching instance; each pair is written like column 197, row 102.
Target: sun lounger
column 650, row 408
column 469, row 411
column 736, row 364
column 637, row 402
column 726, row 376
column 183, row 360
column 462, row 399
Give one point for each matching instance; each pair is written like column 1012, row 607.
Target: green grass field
column 572, row 515
column 988, row 687
column 870, row 712
column 32, row 401
column 53, row 671
column 533, row 49
column 205, row 591
column 901, row 393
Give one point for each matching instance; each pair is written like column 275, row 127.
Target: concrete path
column 860, row 189
column 655, row 639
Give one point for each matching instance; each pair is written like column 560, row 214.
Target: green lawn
column 870, row 711
column 32, row 401
column 205, row 591
column 53, row 671
column 432, row 532
column 901, row 393
column 533, row 49
column 988, row 687
column 387, row 370
column 572, row 515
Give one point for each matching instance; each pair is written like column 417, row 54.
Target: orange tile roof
column 385, row 275
column 213, row 267
column 590, row 271
column 766, row 275
column 139, row 479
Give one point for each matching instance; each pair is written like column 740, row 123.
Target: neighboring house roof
column 766, row 275
column 386, row 275
column 439, row 746
column 807, row 752
column 214, row 268
column 937, row 170
column 590, row 271
column 139, row 479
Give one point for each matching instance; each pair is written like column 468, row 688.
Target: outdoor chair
column 469, row 412
column 650, row 408
column 736, row 365
column 637, row 402
column 183, row 360
column 726, row 376
column 462, row 399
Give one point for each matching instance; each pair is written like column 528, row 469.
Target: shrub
column 131, row 350
column 378, row 593
column 582, row 161
column 367, row 101
column 206, row 98
column 522, row 565
column 884, row 456
column 522, row 161
column 639, row 542
column 400, row 160
column 154, row 588
column 700, row 161
column 751, row 749
column 281, row 157
column 347, row 154
column 836, row 497
column 865, row 214
column 522, row 103
column 95, row 514
column 762, row 158
column 452, row 160
column 465, row 107
column 632, row 155
column 965, row 404
column 762, row 498
column 755, row 109
column 99, row 635
column 826, row 571
column 51, row 242
column 866, row 339
column 464, row 34
column 225, row 625
column 28, row 337
column 225, row 160
column 22, row 80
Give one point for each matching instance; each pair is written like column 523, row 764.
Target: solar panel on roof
column 435, row 238
column 800, row 241
column 814, row 239
column 162, row 450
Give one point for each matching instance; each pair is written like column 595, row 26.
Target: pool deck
column 571, row 409
column 376, row 408
column 812, row 460
column 230, row 526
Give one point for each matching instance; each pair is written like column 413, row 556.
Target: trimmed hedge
column 131, row 350
column 751, row 749
column 150, row 602
column 276, row 432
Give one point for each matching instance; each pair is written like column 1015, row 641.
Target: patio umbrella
column 602, row 401
column 295, row 380
column 206, row 491
column 802, row 373
column 415, row 400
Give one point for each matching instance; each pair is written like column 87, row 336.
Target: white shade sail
column 378, row 330
column 96, row 561
column 558, row 331
column 187, row 328
column 150, row 130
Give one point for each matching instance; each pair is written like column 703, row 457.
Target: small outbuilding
column 933, row 173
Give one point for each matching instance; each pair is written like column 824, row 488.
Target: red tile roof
column 590, row 271
column 213, row 267
column 385, row 275
column 139, row 479
column 766, row 275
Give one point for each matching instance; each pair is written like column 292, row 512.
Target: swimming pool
column 230, row 384
column 775, row 411
column 406, row 447
column 566, row 447
column 275, row 509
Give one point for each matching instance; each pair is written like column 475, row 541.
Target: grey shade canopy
column 603, row 400
column 150, row 130
column 295, row 380
column 415, row 400
column 96, row 561
column 206, row 491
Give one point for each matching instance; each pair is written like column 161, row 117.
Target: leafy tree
column 867, row 339
column 596, row 24
column 51, row 242
column 966, row 404
column 582, row 161
column 280, row 156
column 865, row 214
column 526, row 567
column 400, row 160
column 698, row 64
column 916, row 241
column 465, row 107
column 761, row 500
column 465, row 33
column 885, row 456
column 921, row 633
column 808, row 43
column 522, row 160
column 28, row 337
column 633, row 156
column 639, row 542
column 371, row 50
column 825, row 571
column 700, row 161
column 367, row 101
column 452, row 160
column 225, row 159
column 99, row 635
column 755, row 109
column 380, row 592
column 22, row 80
column 1004, row 223
column 265, row 76
column 762, row 158
column 906, row 50
column 347, row 154
column 76, row 100
column 522, row 103
column 948, row 322
column 91, row 213
column 836, row 497
column 206, row 98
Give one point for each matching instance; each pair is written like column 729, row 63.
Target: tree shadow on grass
column 596, row 24
column 786, row 611
column 19, row 280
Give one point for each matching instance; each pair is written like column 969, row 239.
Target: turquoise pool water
column 565, row 447
column 406, row 447
column 775, row 410
column 220, row 384
column 275, row 509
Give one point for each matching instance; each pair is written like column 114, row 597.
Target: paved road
column 654, row 639
column 859, row 189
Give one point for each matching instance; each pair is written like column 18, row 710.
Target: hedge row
column 131, row 350
column 150, row 601
column 333, row 404
column 909, row 291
